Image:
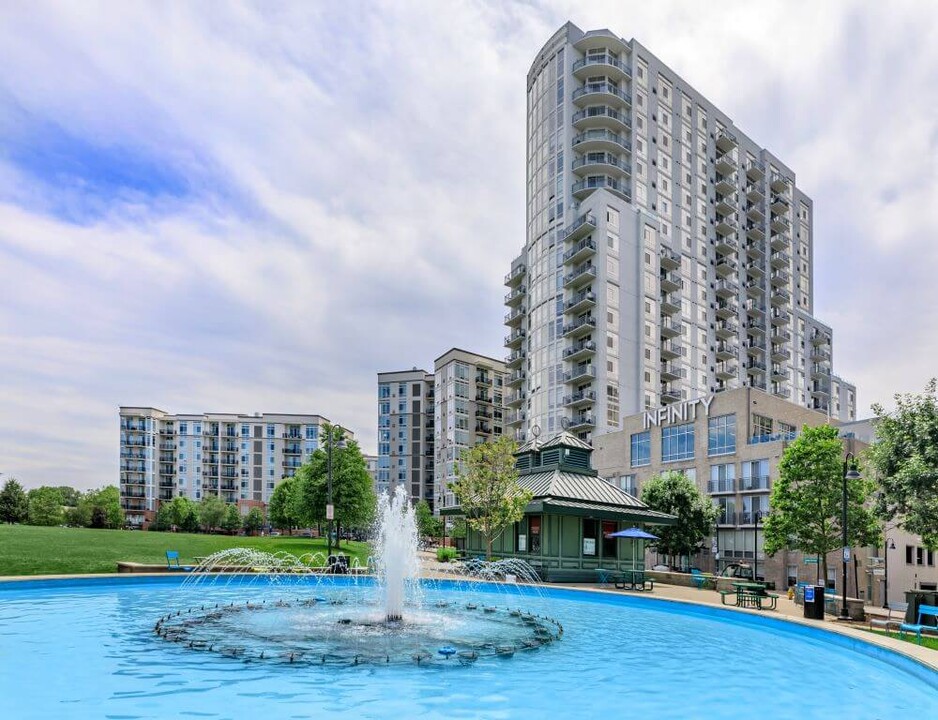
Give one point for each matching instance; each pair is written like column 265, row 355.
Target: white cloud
column 355, row 191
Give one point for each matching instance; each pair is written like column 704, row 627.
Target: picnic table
column 750, row 595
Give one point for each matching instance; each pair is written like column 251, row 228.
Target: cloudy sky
column 257, row 206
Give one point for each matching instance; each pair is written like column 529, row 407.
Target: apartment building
column 468, row 409
column 239, row 458
column 405, row 433
column 730, row 444
column 668, row 255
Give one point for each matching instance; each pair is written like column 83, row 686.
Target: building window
column 761, row 426
column 641, row 449
column 384, row 391
column 721, row 433
column 677, row 443
column 909, row 549
column 312, row 432
column 270, row 431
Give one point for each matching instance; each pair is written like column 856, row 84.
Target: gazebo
column 565, row 528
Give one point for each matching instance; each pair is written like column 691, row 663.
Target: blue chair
column 172, row 562
column 698, row 578
column 924, row 611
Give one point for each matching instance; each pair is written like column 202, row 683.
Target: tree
column 184, row 514
column 164, row 519
column 282, row 508
column 211, row 512
column 352, row 494
column 427, row 524
column 14, row 506
column 253, row 521
column 807, row 499
column 904, row 459
column 674, row 493
column 45, row 506
column 70, row 496
column 99, row 509
column 232, row 520
column 488, row 491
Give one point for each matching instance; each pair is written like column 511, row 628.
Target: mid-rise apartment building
column 730, row 444
column 468, row 409
column 239, row 458
column 668, row 255
column 405, row 433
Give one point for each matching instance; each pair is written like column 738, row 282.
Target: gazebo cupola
column 563, row 452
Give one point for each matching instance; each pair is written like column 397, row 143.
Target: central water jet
column 396, row 559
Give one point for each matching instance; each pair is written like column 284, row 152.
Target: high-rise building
column 405, row 433
column 239, row 458
column 468, row 409
column 667, row 254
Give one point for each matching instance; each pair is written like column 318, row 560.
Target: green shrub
column 445, row 554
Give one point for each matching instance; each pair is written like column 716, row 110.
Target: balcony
column 584, row 188
column 780, row 296
column 581, row 422
column 780, row 241
column 670, row 303
column 755, row 251
column 820, row 354
column 755, row 231
column 727, row 370
column 482, row 429
column 726, row 161
column 584, row 249
column 515, row 317
column 779, row 204
column 483, row 397
column 579, row 327
column 726, row 244
column 514, row 277
column 755, row 213
column 516, row 295
column 670, row 260
column 582, row 275
column 725, row 183
column 597, row 116
column 670, row 394
column 754, row 192
column 820, row 338
column 515, row 399
column 601, row 92
column 820, row 372
column 579, row 351
column 725, row 309
column 780, row 259
column 756, row 327
column 580, row 301
column 599, row 141
column 780, row 354
column 605, row 64
column 600, row 162
column 781, row 389
column 483, row 378
column 780, row 317
column 726, row 288
column 727, row 485
column 671, row 328
column 780, row 184
column 672, row 371
column 579, row 399
column 779, row 278
column 754, row 347
column 726, row 329
column 780, row 336
column 725, row 266
column 780, row 224
column 580, row 374
column 582, row 226
column 515, row 339
column 483, row 413
column 671, row 281
column 515, row 417
column 754, row 483
column 754, row 367
column 516, row 378
column 515, row 359
column 755, row 170
column 672, row 349
column 779, row 373
column 726, row 140
column 726, row 350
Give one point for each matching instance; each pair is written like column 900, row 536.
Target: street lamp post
column 849, row 474
column 755, row 548
column 887, row 546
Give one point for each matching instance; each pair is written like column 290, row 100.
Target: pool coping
column 925, row 657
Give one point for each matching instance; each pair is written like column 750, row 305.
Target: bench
column 924, row 611
column 724, row 593
column 888, row 622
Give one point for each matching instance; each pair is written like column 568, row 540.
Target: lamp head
column 892, row 544
column 853, row 475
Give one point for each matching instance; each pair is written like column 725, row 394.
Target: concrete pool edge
column 880, row 647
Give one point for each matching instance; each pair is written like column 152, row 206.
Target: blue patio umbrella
column 634, row 534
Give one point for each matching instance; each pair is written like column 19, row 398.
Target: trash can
column 814, row 602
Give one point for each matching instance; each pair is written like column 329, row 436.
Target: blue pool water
column 86, row 649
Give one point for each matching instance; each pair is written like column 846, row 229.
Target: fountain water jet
column 396, row 561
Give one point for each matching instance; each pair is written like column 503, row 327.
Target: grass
column 929, row 641
column 29, row 550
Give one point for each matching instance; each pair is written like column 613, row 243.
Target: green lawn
column 28, row 550
column 929, row 641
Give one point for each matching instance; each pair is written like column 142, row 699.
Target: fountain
column 358, row 618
